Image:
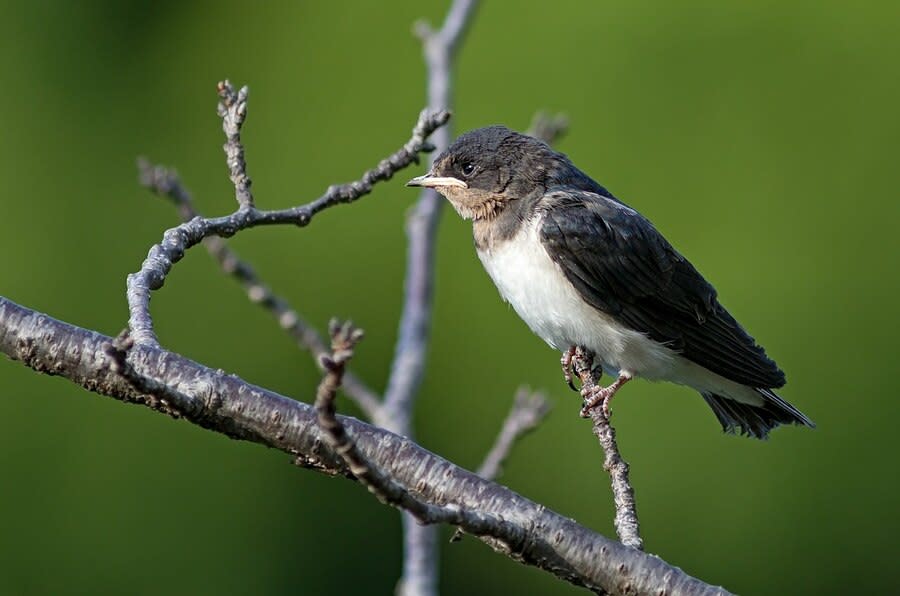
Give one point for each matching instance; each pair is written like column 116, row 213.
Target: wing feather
column 623, row 266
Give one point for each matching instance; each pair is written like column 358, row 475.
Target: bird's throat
column 496, row 229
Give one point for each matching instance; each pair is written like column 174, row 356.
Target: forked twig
column 165, row 182
column 179, row 239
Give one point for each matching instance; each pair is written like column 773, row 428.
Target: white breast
column 539, row 292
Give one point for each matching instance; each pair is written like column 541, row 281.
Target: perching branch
column 529, row 532
column 166, row 183
column 177, row 240
column 626, row 520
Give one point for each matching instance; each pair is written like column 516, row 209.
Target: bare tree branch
column 408, row 365
column 529, row 532
column 409, row 356
column 626, row 520
column 177, row 240
column 159, row 395
column 421, row 542
column 420, row 559
column 427, row 489
column 166, row 183
column 344, row 337
column 233, row 111
column 528, row 410
column 548, row 128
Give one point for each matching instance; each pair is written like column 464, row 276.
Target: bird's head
column 487, row 168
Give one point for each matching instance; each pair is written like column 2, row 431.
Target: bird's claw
column 596, row 396
column 566, row 362
column 601, row 396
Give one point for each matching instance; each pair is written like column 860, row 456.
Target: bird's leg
column 597, row 395
column 566, row 362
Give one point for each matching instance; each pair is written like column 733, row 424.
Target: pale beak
column 430, row 181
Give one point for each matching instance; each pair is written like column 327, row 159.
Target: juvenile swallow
column 581, row 268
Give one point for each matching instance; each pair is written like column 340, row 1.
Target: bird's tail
column 755, row 421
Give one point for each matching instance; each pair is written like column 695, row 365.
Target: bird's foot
column 601, row 396
column 566, row 361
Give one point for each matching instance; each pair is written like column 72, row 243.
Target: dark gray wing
column 622, row 266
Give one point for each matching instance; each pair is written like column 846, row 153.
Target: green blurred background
column 761, row 139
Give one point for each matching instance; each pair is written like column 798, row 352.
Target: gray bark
column 522, row 529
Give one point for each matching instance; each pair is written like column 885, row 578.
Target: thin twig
column 528, row 410
column 344, row 337
column 233, row 110
column 548, row 128
column 420, row 544
column 165, row 182
column 626, row 520
column 177, row 240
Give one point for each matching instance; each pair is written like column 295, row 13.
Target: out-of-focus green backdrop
column 761, row 139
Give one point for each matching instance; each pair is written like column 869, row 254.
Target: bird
column 585, row 270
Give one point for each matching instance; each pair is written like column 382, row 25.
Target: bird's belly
column 552, row 307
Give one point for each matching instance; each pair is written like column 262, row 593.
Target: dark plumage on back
column 649, row 311
column 624, row 267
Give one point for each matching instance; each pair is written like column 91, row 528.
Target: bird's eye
column 468, row 169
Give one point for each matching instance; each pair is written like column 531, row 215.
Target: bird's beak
column 430, row 181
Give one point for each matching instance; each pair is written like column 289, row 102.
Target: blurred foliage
column 761, row 138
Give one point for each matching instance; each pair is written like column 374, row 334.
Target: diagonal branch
column 527, row 412
column 166, row 183
column 177, row 240
column 344, row 338
column 529, row 533
column 626, row 520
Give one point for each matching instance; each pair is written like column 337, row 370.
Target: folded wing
column 623, row 266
